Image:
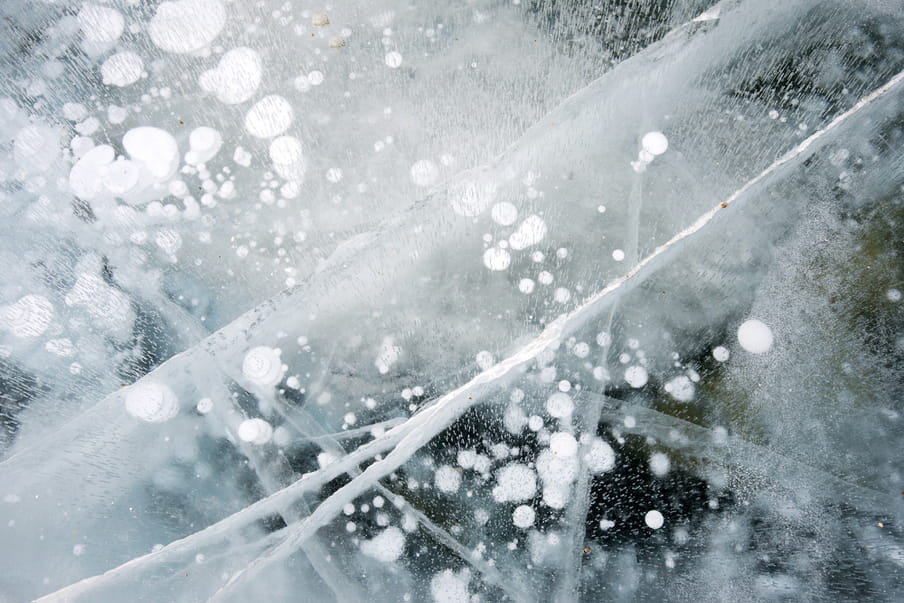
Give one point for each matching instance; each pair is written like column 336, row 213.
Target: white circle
column 205, row 405
column 424, row 173
column 559, row 405
column 256, row 431
column 636, row 376
column 523, row 516
column 122, row 69
column 654, row 519
column 755, row 336
column 618, row 255
column 393, row 59
column 262, row 366
column 721, row 353
column 526, row 285
column 563, row 444
column 269, row 117
column 504, row 213
column 152, row 401
column 496, row 259
column 654, row 143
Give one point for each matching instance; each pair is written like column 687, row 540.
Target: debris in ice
column 447, row 479
column 28, row 317
column 387, row 546
column 122, row 69
column 523, row 516
column 151, row 401
column 255, row 431
column 654, row 519
column 187, row 26
column 236, row 77
column 755, row 336
column 262, row 366
column 269, row 117
column 515, row 483
column 320, row 20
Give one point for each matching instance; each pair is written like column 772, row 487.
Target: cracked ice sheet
column 758, row 208
column 268, row 331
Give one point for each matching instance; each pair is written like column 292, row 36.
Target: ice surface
column 537, row 300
